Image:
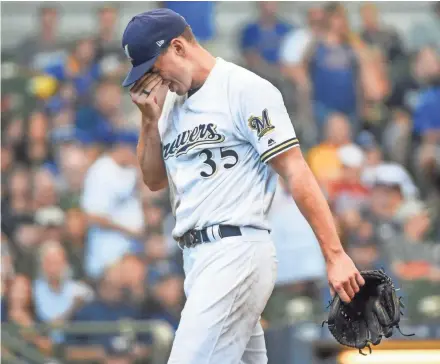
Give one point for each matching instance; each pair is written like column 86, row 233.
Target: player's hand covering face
column 174, row 66
column 149, row 94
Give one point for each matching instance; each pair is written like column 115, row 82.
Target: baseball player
column 217, row 135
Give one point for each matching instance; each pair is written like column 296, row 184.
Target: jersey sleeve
column 264, row 120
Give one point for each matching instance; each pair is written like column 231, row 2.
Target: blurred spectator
column 7, row 274
column 61, row 104
column 297, row 41
column 295, row 242
column 260, row 42
column 153, row 215
column 21, row 313
column 44, row 49
column 134, row 274
column 113, row 208
column 332, row 64
column 292, row 54
column 303, row 248
column 51, row 220
column 375, row 163
column 17, row 201
column 397, row 136
column 427, row 110
column 105, row 115
column 413, row 258
column 148, row 290
column 168, row 291
column 200, row 15
column 26, row 240
column 13, row 132
column 155, row 249
column 427, row 121
column 402, row 200
column 80, row 68
column 323, row 159
column 37, row 147
column 44, row 191
column 109, row 304
column 71, row 165
column 372, row 151
column 387, row 172
column 8, row 156
column 389, row 209
column 376, row 35
column 427, row 32
column 7, row 266
column 74, row 242
column 109, row 55
column 163, row 274
column 348, row 192
column 56, row 295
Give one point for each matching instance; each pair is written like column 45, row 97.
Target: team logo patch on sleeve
column 261, row 124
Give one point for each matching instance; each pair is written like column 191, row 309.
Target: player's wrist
column 333, row 254
column 148, row 123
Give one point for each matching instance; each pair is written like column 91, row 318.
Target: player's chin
column 179, row 91
column 173, row 88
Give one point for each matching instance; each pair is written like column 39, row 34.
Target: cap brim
column 138, row 71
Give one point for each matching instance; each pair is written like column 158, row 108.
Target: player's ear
column 178, row 47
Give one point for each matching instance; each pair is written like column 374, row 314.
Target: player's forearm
column 149, row 153
column 313, row 205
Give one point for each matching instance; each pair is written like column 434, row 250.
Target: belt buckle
column 188, row 240
column 192, row 238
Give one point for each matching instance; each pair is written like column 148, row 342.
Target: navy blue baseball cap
column 144, row 37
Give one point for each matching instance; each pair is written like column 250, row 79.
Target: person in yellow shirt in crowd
column 323, row 159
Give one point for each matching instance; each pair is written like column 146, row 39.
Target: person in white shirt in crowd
column 56, row 294
column 111, row 200
column 299, row 257
column 296, row 42
column 376, row 168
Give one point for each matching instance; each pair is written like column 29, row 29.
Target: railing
column 17, row 346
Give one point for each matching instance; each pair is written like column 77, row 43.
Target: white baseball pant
column 228, row 283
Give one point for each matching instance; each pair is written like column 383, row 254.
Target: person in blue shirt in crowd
column 333, row 68
column 426, row 120
column 260, row 42
column 79, row 68
column 166, row 280
column 109, row 305
column 263, row 37
column 200, row 15
column 427, row 109
column 104, row 115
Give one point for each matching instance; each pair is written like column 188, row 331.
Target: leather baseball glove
column 370, row 316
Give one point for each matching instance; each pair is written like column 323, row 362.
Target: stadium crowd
column 84, row 240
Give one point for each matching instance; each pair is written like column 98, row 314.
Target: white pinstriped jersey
column 216, row 145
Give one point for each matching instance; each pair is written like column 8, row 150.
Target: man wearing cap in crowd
column 348, row 192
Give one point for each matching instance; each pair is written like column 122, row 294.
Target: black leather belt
column 194, row 237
